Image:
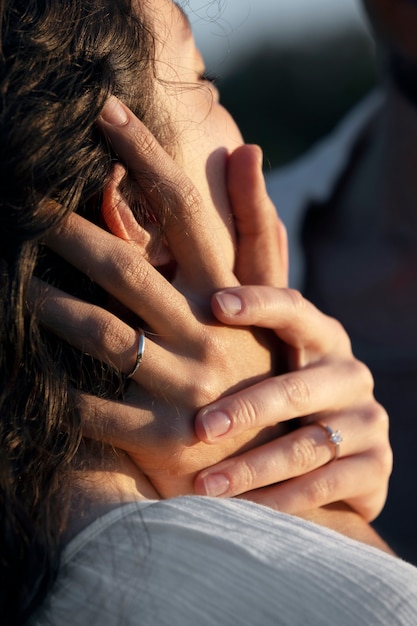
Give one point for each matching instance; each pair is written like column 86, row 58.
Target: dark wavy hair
column 59, row 62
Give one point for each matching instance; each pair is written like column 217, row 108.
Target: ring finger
column 328, row 484
column 293, row 455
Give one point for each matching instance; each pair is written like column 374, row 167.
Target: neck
column 104, row 478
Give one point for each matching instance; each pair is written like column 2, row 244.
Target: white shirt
column 195, row 561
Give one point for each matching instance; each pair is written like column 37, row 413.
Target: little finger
column 353, row 480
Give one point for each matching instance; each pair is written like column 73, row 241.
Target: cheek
column 204, row 150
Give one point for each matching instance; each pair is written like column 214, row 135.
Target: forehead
column 183, row 18
column 165, row 13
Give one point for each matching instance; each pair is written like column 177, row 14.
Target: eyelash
column 210, row 78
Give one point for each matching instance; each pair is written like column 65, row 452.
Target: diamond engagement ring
column 335, row 438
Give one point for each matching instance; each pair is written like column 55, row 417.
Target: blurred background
column 288, row 70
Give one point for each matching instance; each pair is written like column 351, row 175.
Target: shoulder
column 198, row 560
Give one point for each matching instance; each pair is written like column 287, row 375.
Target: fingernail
column 114, row 113
column 229, row 303
column 215, row 423
column 215, row 484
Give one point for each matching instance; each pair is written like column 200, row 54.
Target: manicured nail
column 229, row 303
column 215, row 423
column 114, row 113
column 215, row 484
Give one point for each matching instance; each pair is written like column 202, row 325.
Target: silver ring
column 139, row 354
column 335, row 438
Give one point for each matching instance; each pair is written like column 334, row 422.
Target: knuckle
column 145, row 144
column 382, row 451
column 205, row 388
column 378, row 418
column 110, row 335
column 363, row 372
column 133, row 272
column 302, row 456
column 209, row 346
column 342, row 339
column 190, row 196
column 299, row 303
column 375, row 422
column 386, row 460
column 245, row 413
column 200, row 393
column 243, row 478
column 202, row 390
column 296, row 393
column 320, row 491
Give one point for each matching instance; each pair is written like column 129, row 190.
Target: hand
column 190, row 359
column 329, row 386
column 293, row 472
column 133, row 427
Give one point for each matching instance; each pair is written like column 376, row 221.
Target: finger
column 301, row 452
column 115, row 265
column 325, row 387
column 344, row 480
column 295, row 320
column 190, row 235
column 99, row 333
column 119, row 424
column 87, row 327
column 262, row 254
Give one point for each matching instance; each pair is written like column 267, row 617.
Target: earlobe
column 117, row 213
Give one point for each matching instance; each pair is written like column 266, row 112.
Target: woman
column 52, row 483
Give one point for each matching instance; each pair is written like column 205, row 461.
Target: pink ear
column 116, row 212
column 120, row 221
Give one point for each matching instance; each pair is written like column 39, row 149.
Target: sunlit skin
column 205, row 131
column 204, row 135
column 165, row 450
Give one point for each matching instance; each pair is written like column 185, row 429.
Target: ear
column 120, row 221
column 116, row 212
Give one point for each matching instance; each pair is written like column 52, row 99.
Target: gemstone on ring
column 335, row 438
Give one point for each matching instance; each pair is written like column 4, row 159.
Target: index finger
column 189, row 235
column 262, row 256
column 294, row 319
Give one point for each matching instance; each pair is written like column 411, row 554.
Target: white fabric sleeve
column 202, row 562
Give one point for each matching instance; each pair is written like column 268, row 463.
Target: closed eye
column 210, row 78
